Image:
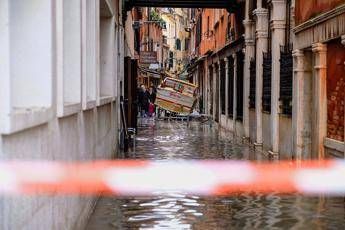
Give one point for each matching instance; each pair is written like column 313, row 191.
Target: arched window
column 178, row 44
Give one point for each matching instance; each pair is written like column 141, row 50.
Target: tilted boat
column 177, row 96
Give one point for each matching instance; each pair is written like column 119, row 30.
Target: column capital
column 249, row 42
column 319, row 48
column 278, row 3
column 248, row 22
column 261, row 34
column 278, row 24
column 320, row 51
column 260, row 12
column 343, row 40
column 298, row 53
column 299, row 65
column 226, row 60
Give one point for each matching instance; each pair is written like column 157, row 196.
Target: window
column 252, row 7
column 198, row 32
column 252, row 92
column 230, row 33
column 267, row 69
column 69, row 57
column 231, row 87
column 286, row 66
column 106, row 54
column 267, row 89
column 178, row 44
column 187, row 41
column 25, row 82
column 239, row 85
column 222, row 86
column 137, row 40
column 171, row 60
column 89, row 59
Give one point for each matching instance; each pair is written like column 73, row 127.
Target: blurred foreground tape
column 209, row 178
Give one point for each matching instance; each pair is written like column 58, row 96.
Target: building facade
column 61, row 80
column 319, row 57
column 272, row 73
column 150, row 26
column 176, row 39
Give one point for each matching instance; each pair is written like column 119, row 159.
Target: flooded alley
column 175, row 140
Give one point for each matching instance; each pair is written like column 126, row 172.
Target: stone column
column 209, row 88
column 278, row 39
column 249, row 54
column 297, row 102
column 343, row 42
column 197, row 82
column 226, row 60
column 261, row 46
column 214, row 77
column 320, row 99
column 235, row 94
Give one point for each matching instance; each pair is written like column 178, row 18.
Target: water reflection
column 163, row 141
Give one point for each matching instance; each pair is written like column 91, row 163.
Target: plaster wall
column 285, row 137
column 80, row 137
column 31, row 126
column 266, row 131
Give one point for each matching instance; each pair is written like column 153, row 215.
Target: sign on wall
column 148, row 57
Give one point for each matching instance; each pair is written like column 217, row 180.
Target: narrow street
column 262, row 80
column 174, row 140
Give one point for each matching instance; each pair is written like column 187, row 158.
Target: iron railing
column 286, row 79
column 267, row 78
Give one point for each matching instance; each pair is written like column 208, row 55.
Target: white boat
column 177, row 96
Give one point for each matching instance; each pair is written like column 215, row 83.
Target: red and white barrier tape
column 209, row 178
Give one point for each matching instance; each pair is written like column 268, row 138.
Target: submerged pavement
column 174, row 140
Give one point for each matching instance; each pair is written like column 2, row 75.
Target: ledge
column 25, row 118
column 319, row 19
column 105, row 100
column 334, row 145
column 69, row 109
column 90, row 105
column 284, row 115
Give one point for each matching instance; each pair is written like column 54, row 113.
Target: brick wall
column 307, row 9
column 335, row 90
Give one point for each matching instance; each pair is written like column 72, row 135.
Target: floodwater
column 172, row 140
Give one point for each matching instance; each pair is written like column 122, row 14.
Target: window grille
column 231, row 87
column 239, row 85
column 252, row 92
column 267, row 88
